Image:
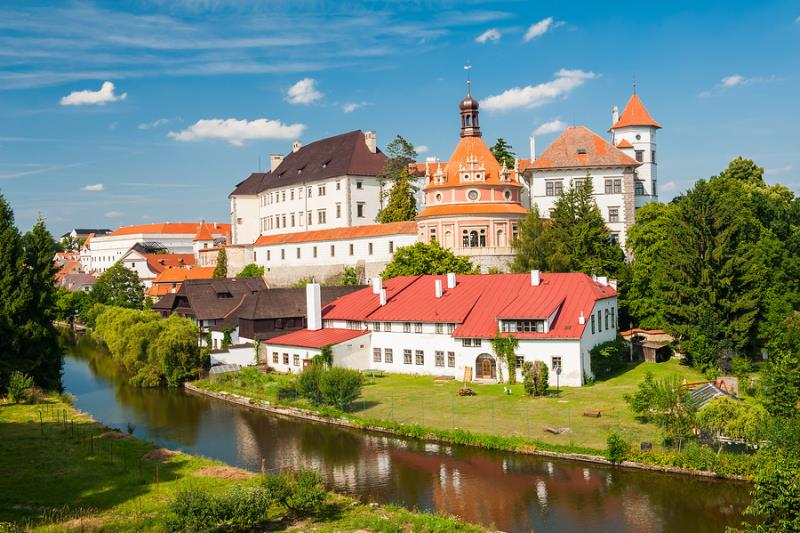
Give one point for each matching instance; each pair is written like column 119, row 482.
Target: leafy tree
column 221, row 269
column 119, row 286
column 326, row 356
column 340, row 387
column 781, row 375
column 667, row 402
column 70, row 304
column 505, row 349
column 349, row 276
column 302, row 282
column 308, row 383
column 421, row 258
column 535, row 378
column 733, row 419
column 503, row 154
column 744, row 170
column 608, row 357
column 400, row 202
column 617, row 448
column 534, row 245
column 18, row 386
column 250, row 271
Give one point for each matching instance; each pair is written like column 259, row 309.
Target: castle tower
column 203, row 239
column 634, row 132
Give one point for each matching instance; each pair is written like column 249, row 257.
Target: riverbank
column 64, row 471
column 702, row 462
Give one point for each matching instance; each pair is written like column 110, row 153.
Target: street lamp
column 558, row 379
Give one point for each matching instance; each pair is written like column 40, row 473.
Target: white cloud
column 551, row 126
column 735, row 80
column 154, row 124
column 114, row 214
column 237, row 131
column 532, row 96
column 538, row 29
column 669, row 186
column 489, row 35
column 421, row 149
column 797, row 20
column 778, row 170
column 93, row 187
column 303, row 92
column 100, row 97
column 352, row 106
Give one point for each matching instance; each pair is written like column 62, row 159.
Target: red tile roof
column 469, row 147
column 624, row 143
column 70, row 267
column 478, row 301
column 492, row 208
column 203, row 233
column 354, row 232
column 317, row 338
column 178, row 275
column 170, row 228
column 635, row 114
column 578, row 146
column 159, row 262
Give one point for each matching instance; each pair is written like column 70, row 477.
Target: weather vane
column 468, row 67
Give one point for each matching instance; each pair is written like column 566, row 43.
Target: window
column 351, row 248
column 433, row 234
column 579, row 182
column 592, row 321
column 524, row 326
column 298, row 253
column 653, row 156
column 417, row 327
column 360, row 209
column 359, row 185
column 407, row 357
column 315, row 251
column 338, row 210
column 283, row 196
column 640, row 156
column 283, row 220
column 376, row 326
column 599, row 320
column 613, row 318
column 388, row 357
column 354, row 325
column 555, row 363
column 338, row 185
column 300, row 193
column 613, row 238
column 309, row 218
column 296, row 359
column 278, row 323
column 376, row 355
column 609, row 186
column 308, row 192
column 607, row 313
column 451, row 359
column 613, row 214
column 291, row 194
column 420, row 357
column 321, row 216
column 439, row 328
column 387, row 326
column 617, row 186
column 518, row 361
column 269, row 253
column 470, row 342
column 321, row 190
column 286, row 359
column 283, row 253
column 369, row 248
column 333, row 250
column 451, row 328
column 274, row 358
column 639, row 187
column 406, row 327
column 391, row 247
column 473, row 195
column 439, row 359
column 549, row 188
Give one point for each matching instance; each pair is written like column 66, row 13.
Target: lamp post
column 558, row 380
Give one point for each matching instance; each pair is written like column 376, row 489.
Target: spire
column 469, row 113
column 635, row 114
column 203, row 233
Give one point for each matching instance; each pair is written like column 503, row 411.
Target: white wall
column 108, row 249
column 240, row 355
column 244, row 219
column 589, row 340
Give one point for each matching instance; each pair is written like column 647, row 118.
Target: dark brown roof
column 577, row 147
column 340, row 155
column 288, row 302
column 214, row 299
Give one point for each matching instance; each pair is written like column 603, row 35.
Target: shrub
column 19, row 385
column 286, row 391
column 535, row 378
column 244, row 507
column 308, row 383
column 466, row 391
column 301, row 492
column 193, row 509
column 609, row 357
column 617, row 448
column 340, row 387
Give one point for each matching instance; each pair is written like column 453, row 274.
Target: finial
column 467, row 67
column 634, row 84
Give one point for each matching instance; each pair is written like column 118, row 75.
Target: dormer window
column 581, row 151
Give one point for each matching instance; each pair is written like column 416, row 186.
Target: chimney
column 536, row 278
column 581, row 319
column 383, row 296
column 376, row 285
column 296, row 146
column 313, row 307
column 274, row 161
column 451, row 280
column 437, row 285
column 612, row 283
column 602, row 280
column 614, row 115
column 371, row 139
column 533, row 148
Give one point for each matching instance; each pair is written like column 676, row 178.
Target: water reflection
column 512, row 492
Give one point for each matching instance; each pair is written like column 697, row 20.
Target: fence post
column 528, row 418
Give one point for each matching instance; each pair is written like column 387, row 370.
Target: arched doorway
column 485, row 367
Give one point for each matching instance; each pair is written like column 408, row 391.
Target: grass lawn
column 419, row 400
column 59, row 475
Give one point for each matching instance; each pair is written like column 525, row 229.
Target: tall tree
column 251, row 271
column 221, row 270
column 119, row 286
column 534, row 246
column 502, row 152
column 421, row 258
column 399, row 202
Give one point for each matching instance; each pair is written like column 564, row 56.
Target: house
column 171, row 279
column 443, row 325
column 77, row 282
column 83, row 233
column 149, row 262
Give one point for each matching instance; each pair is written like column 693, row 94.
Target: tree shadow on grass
column 362, row 405
column 627, row 367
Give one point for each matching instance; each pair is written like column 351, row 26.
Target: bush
column 617, row 448
column 535, row 378
column 466, row 391
column 193, row 509
column 242, row 508
column 19, row 386
column 308, row 383
column 609, row 357
column 301, row 492
column 340, row 387
column 245, row 508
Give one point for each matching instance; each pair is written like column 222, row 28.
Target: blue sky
column 125, row 112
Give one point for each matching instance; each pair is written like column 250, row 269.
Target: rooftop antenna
column 468, row 67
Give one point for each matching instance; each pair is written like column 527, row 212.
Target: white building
column 622, row 172
column 330, row 183
column 443, row 325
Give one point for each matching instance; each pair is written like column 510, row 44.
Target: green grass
column 417, row 400
column 59, row 476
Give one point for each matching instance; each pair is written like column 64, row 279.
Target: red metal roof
column 478, row 301
column 317, row 338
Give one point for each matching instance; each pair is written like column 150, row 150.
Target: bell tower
column 469, row 116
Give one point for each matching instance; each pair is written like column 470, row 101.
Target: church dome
column 468, row 104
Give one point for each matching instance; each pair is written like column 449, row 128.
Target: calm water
column 512, row 492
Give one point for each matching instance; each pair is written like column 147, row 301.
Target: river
column 510, row 491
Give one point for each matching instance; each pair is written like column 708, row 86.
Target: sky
column 135, row 111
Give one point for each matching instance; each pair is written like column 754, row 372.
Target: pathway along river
column 513, row 492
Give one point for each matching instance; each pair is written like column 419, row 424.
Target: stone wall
column 285, row 276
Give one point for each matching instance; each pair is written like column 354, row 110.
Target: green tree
column 743, row 170
column 251, row 271
column 781, row 374
column 119, row 286
column 308, row 383
column 398, row 203
column 503, row 154
column 340, row 387
column 421, row 258
column 534, row 245
column 221, row 269
column 667, row 402
column 349, row 276
column 504, row 348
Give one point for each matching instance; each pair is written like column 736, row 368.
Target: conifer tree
column 533, row 247
column 400, row 203
column 14, row 299
column 502, row 153
column 221, row 270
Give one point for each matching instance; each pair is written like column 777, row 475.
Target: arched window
column 473, row 238
column 501, row 238
column 469, row 120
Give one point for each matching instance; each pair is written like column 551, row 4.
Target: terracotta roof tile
column 470, row 147
column 178, row 275
column 316, row 338
column 624, row 143
column 635, row 114
column 353, row 232
column 169, row 228
column 472, row 209
column 203, row 232
column 578, row 146
column 159, row 262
